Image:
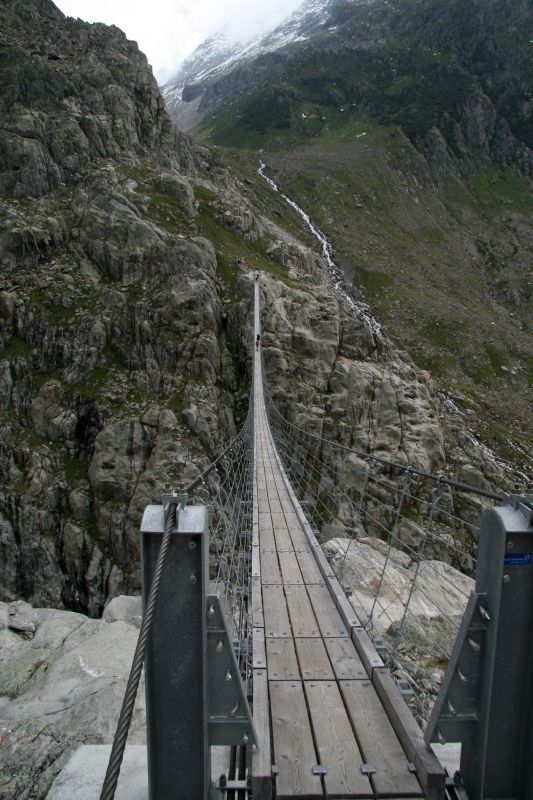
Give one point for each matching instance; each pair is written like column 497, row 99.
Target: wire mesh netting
column 401, row 542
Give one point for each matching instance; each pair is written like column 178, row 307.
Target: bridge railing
column 227, row 491
column 401, row 542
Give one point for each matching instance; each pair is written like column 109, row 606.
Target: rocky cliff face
column 109, row 324
column 405, row 132
column 63, row 678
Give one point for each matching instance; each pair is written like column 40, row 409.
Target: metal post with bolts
column 486, row 700
column 175, row 665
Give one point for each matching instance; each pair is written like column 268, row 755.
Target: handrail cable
column 460, row 485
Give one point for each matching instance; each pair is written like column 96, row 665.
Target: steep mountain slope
column 216, row 57
column 405, row 130
column 127, row 257
column 418, row 64
column 127, row 263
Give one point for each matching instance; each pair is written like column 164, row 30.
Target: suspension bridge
column 267, row 643
column 313, row 690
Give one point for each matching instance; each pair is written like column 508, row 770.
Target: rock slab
column 84, row 775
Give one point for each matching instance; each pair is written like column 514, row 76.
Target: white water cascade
column 327, row 254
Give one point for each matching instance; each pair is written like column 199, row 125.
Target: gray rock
column 179, row 187
column 65, row 687
column 128, row 609
column 83, row 776
column 120, row 242
column 48, row 417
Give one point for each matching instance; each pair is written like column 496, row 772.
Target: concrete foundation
column 83, row 776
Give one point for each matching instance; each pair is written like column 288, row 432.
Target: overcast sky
column 168, row 30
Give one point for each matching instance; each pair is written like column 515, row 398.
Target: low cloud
column 168, row 31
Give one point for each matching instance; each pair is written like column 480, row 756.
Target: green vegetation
column 443, row 333
column 75, row 469
column 16, row 348
column 372, row 280
column 503, row 441
column 397, row 85
column 166, row 211
column 490, row 369
column 140, row 174
column 232, row 249
column 53, row 313
column 496, row 188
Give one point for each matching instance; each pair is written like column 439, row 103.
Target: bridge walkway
column 322, row 729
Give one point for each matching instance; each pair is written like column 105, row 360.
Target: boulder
column 64, row 686
column 382, row 579
column 178, row 187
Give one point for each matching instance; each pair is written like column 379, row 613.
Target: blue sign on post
column 517, row 559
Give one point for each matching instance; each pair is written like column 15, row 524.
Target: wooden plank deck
column 320, row 718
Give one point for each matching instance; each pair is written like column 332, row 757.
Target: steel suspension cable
column 460, row 485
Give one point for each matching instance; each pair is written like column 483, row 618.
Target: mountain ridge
column 216, row 55
column 412, row 64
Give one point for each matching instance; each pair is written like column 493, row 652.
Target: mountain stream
column 327, row 254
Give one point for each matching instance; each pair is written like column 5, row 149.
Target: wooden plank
column 256, row 563
column 301, row 614
column 309, row 567
column 313, row 658
column 266, row 540
column 298, row 539
column 286, row 502
column 290, row 568
column 347, row 611
column 257, row 604
column 270, row 572
column 293, row 523
column 323, row 563
column 378, row 743
column 261, row 759
column 278, row 517
column 329, row 619
column 283, row 539
column 345, row 661
column 366, row 650
column 265, row 520
column 259, row 659
column 275, row 612
column 281, row 660
column 294, row 751
column 302, row 546
column 335, row 742
column 255, row 534
column 428, row 769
